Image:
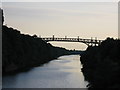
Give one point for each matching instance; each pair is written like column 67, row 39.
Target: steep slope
column 101, row 64
column 21, row 52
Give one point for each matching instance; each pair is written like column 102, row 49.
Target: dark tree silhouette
column 21, row 52
column 101, row 65
column 1, row 16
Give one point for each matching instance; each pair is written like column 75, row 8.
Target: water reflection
column 61, row 73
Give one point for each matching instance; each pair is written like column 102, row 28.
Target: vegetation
column 21, row 52
column 101, row 64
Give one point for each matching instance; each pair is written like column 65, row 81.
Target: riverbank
column 101, row 64
column 24, row 51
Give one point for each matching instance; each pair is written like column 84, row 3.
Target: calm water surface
column 63, row 72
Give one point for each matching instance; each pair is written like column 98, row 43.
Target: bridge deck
column 86, row 41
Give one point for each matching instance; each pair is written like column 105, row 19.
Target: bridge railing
column 95, row 41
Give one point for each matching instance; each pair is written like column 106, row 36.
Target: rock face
column 101, row 65
column 21, row 52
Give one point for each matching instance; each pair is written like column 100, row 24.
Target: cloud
column 61, row 9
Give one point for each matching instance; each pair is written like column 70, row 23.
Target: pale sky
column 72, row 19
column 60, row 0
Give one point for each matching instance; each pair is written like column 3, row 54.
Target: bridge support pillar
column 53, row 37
column 91, row 41
column 78, row 38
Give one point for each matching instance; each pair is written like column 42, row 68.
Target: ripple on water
column 63, row 72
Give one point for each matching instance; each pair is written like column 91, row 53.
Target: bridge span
column 88, row 42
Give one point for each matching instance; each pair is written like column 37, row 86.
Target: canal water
column 63, row 72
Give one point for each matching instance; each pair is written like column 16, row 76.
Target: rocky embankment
column 21, row 52
column 101, row 64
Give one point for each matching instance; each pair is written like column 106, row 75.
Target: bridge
column 88, row 42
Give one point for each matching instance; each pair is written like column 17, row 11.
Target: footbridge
column 88, row 42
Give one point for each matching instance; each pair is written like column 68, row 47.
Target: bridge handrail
column 69, row 38
column 95, row 41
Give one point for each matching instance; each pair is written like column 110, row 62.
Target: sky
column 72, row 19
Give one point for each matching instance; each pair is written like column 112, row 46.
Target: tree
column 1, row 12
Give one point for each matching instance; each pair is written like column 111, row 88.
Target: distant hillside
column 20, row 52
column 101, row 65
